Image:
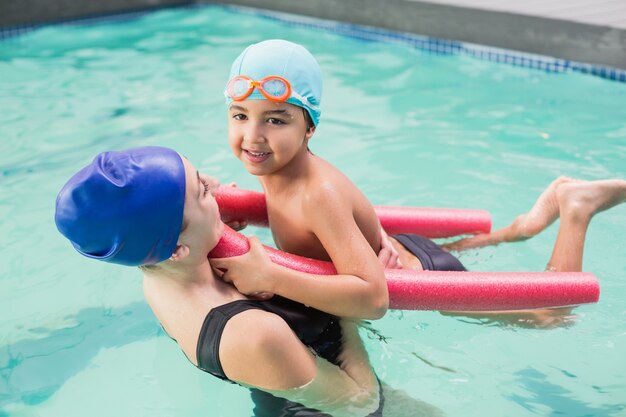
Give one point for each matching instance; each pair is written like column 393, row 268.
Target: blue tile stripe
column 368, row 33
column 15, row 31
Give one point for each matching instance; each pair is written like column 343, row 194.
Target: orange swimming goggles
column 273, row 87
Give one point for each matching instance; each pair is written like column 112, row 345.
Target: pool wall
column 557, row 38
column 566, row 40
column 20, row 13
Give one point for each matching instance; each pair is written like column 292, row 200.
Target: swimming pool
column 407, row 126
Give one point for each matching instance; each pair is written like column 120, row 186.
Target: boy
column 314, row 210
column 274, row 95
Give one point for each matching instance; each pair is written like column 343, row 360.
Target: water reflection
column 32, row 370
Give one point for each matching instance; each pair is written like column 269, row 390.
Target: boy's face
column 265, row 135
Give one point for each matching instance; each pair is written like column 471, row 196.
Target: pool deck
column 589, row 31
column 608, row 13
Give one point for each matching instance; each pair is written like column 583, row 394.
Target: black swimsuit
column 319, row 330
column 432, row 257
column 316, row 329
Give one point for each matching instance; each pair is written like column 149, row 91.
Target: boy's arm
column 358, row 291
column 258, row 349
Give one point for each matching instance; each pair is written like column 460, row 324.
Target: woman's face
column 203, row 226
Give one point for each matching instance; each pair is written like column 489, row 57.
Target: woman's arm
column 258, row 349
column 359, row 290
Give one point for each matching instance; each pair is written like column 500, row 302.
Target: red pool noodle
column 241, row 204
column 449, row 291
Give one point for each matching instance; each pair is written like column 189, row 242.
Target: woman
column 149, row 207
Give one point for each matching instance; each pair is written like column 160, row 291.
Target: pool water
column 408, row 127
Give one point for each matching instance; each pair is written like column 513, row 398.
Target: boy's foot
column 543, row 213
column 564, row 197
column 583, row 199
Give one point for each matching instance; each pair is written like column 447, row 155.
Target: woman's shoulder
column 251, row 330
column 258, row 348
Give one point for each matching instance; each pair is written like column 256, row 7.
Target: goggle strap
column 304, row 100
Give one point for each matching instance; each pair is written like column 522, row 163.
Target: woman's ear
column 180, row 252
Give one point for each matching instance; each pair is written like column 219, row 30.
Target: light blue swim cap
column 288, row 60
column 125, row 207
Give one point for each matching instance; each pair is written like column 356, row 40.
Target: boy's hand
column 250, row 273
column 236, row 224
column 388, row 255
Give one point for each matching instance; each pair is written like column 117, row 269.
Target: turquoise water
column 408, row 127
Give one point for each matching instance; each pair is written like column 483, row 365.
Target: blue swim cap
column 125, row 207
column 288, row 60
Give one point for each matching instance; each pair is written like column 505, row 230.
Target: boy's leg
column 578, row 202
column 543, row 213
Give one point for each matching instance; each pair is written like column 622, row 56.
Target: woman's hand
column 236, row 225
column 388, row 255
column 250, row 273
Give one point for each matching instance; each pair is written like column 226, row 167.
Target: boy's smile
column 256, row 157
